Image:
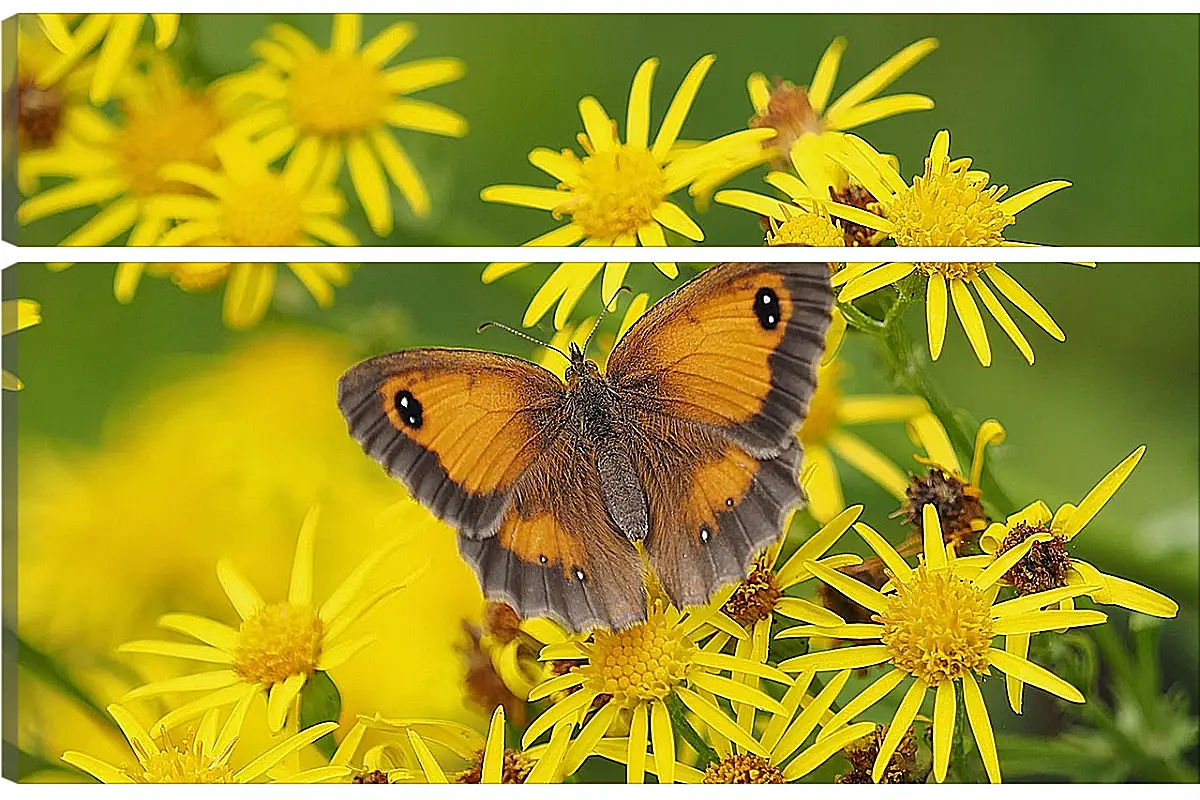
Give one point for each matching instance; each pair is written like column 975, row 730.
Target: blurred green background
column 1105, row 101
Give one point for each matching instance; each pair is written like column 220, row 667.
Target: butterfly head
column 582, row 368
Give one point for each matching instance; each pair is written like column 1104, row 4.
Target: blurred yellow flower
column 640, row 672
column 343, row 101
column 41, row 110
column 201, row 756
column 803, row 115
column 17, row 316
column 617, row 194
column 950, row 205
column 118, row 533
column 117, row 35
column 277, row 647
column 487, row 760
column 1048, row 567
column 935, row 625
column 957, row 495
column 823, row 435
column 116, row 166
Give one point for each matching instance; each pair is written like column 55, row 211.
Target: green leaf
column 320, row 701
column 46, row 669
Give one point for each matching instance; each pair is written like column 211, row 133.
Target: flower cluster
column 847, row 649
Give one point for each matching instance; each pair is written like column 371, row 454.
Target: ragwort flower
column 343, row 102
column 617, row 194
column 804, row 116
column 202, row 755
column 1048, row 568
column 636, row 673
column 950, row 205
column 936, row 625
column 117, row 35
column 486, row 760
column 278, row 645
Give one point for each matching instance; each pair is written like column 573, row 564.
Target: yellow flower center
column 938, row 627
column 183, row 763
column 953, row 271
column 336, row 93
column 815, row 230
column 743, row 768
column 264, row 212
column 642, row 663
column 952, row 207
column 177, row 127
column 823, row 408
column 616, row 192
column 279, row 641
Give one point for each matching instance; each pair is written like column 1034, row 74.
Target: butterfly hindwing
column 485, row 442
column 719, row 376
column 557, row 554
column 735, row 348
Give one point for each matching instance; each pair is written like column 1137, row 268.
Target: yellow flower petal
column 419, row 115
column 202, row 681
column 905, row 714
column 935, row 314
column 672, row 216
column 206, row 630
column 798, row 731
column 279, row 752
column 423, row 74
column 281, row 698
column 793, row 570
column 390, row 41
column 934, row 548
column 875, row 279
column 1038, row 621
column 492, row 767
column 819, row 753
column 827, row 69
column 1006, row 322
column 1022, row 200
column 241, row 593
column 943, row 729
column 981, row 726
column 681, row 103
column 592, row 732
column 825, row 498
column 879, row 78
column 333, row 657
column 756, row 203
column 546, row 770
column 869, row 461
column 881, row 108
column 137, row 735
column 733, row 690
column 100, row 770
column 1090, row 505
column 712, row 716
column 863, row 700
column 662, row 738
column 894, row 562
column 562, row 710
column 194, row 652
column 114, row 55
column 972, row 322
column 301, row 587
column 928, row 432
column 247, row 294
column 1031, row 673
column 840, row 658
column 1023, row 300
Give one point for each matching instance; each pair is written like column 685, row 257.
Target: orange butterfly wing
column 718, row 377
column 485, row 443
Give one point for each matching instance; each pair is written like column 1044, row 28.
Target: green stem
column 960, row 770
column 679, row 722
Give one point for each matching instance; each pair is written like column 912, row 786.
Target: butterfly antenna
column 523, row 335
column 603, row 311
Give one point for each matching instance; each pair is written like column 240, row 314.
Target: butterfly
column 684, row 447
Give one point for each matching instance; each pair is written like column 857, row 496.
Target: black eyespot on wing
column 766, row 308
column 409, row 408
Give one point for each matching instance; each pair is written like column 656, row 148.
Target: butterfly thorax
column 604, row 438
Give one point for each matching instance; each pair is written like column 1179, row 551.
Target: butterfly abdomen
column 624, row 496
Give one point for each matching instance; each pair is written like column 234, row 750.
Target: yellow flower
column 823, row 435
column 780, row 739
column 278, row 645
column 1048, row 569
column 487, row 759
column 617, row 194
column 936, row 625
column 248, row 203
column 803, row 116
column 203, row 755
column 638, row 673
column 956, row 494
column 950, row 205
column 343, row 102
column 116, row 166
column 42, row 110
column 18, row 315
column 119, row 33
